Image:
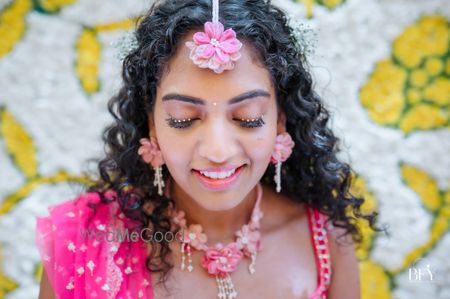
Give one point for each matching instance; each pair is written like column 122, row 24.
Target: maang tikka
column 215, row 48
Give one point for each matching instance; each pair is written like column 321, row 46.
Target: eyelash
column 183, row 123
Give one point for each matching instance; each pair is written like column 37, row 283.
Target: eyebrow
column 197, row 101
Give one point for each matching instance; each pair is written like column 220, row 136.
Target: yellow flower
column 12, row 24
column 420, row 51
column 419, row 78
column 434, row 66
column 439, row 92
column 446, row 212
column 359, row 189
column 406, row 47
column 440, row 227
column 38, row 272
column 413, row 96
column 7, row 285
column 436, row 34
column 447, row 197
column 55, row 5
column 424, row 185
column 423, row 117
column 426, row 38
column 18, row 144
column 32, row 184
column 447, row 66
column 374, row 281
column 119, row 25
column 382, row 97
column 368, row 234
column 332, row 3
column 88, row 58
column 309, row 5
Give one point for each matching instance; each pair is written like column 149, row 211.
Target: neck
column 219, row 226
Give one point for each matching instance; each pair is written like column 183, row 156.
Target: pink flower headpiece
column 215, row 48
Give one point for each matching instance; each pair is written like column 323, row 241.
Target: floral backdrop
column 382, row 67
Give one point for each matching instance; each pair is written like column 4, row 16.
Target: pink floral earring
column 282, row 151
column 151, row 154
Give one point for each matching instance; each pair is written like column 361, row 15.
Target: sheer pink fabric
column 107, row 265
column 92, row 259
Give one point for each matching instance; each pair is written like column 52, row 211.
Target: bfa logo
column 421, row 273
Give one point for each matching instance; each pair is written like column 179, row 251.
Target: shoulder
column 77, row 253
column 305, row 223
column 342, row 247
column 335, row 257
column 62, row 221
column 71, row 209
column 56, row 240
column 280, row 212
column 67, row 220
column 345, row 281
column 57, row 232
column 83, row 210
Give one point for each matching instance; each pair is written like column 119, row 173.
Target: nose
column 218, row 141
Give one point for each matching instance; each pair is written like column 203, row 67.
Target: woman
column 221, row 148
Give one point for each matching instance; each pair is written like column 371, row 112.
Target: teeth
column 218, row 175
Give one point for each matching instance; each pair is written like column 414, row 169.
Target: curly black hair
column 312, row 175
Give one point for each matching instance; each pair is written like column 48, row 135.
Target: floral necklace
column 221, row 260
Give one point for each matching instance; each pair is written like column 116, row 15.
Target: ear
column 151, row 124
column 281, row 122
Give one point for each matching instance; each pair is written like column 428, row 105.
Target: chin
column 216, row 203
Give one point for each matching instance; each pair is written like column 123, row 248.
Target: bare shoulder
column 345, row 282
column 46, row 290
column 280, row 211
column 285, row 213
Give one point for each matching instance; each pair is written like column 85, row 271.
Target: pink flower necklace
column 221, row 260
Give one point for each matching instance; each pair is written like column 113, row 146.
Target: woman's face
column 216, row 139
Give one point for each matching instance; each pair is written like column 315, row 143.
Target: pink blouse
column 104, row 256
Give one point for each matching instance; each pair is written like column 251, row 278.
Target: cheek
column 175, row 151
column 176, row 157
column 260, row 147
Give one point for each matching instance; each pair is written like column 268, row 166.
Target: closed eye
column 179, row 123
column 251, row 123
column 186, row 123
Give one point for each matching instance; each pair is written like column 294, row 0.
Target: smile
column 218, row 180
column 218, row 175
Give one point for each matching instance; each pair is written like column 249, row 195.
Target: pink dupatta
column 101, row 265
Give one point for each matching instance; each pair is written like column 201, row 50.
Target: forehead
column 183, row 76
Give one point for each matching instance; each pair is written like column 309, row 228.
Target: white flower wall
column 382, row 67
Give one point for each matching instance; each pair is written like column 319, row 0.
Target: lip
column 219, row 184
column 219, row 169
